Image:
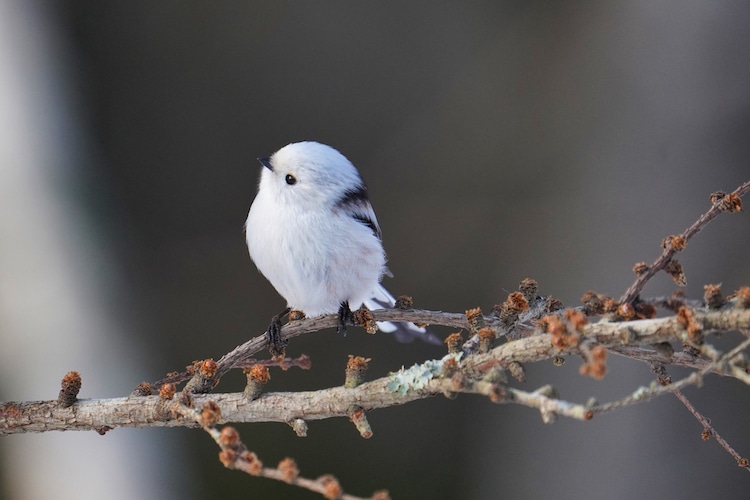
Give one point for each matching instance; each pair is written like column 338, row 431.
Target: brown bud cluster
column 331, row 487
column 497, row 393
column 454, row 341
column 712, row 296
column 563, row 337
column 576, row 318
column 566, row 330
column 597, row 304
column 596, row 367
column 517, row 370
column 475, row 320
column 675, row 243
column 208, row 368
column 487, row 338
column 69, row 389
column 404, row 303
column 686, row 319
column 661, row 374
column 229, row 436
column 363, row 317
column 450, row 366
column 676, row 300
column 296, row 315
column 726, row 202
column 289, row 470
column 257, row 376
column 167, row 391
column 625, row 311
column 143, row 389
column 210, row 414
column 509, row 310
column 227, row 458
column 640, row 268
column 553, row 305
column 743, row 297
column 253, row 465
column 674, row 269
column 644, row 310
column 528, row 287
column 593, row 303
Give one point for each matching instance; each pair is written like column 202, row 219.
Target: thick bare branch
column 474, row 370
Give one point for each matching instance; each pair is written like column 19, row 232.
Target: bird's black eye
column 290, row 179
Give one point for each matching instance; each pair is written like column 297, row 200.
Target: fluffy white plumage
column 312, row 233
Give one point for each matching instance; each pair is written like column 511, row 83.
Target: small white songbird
column 313, row 234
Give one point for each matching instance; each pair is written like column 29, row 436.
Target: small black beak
column 266, row 162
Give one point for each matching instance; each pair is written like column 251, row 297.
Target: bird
column 312, row 232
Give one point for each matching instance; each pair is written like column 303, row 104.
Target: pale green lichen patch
column 418, row 376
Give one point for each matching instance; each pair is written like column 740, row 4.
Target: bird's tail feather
column 404, row 332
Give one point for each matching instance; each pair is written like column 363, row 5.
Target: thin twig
column 669, row 250
column 235, row 455
column 709, row 431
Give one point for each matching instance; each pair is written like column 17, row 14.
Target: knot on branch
column 359, row 419
column 355, row 371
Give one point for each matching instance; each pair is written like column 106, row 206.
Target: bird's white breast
column 316, row 258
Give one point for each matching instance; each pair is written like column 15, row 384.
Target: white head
column 311, row 175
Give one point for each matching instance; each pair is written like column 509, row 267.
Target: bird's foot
column 276, row 346
column 346, row 317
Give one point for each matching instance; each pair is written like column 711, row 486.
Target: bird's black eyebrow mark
column 356, row 202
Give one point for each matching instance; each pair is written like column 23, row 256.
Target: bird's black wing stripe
column 367, row 222
column 356, row 202
column 354, row 197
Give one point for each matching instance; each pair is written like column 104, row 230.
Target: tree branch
column 530, row 328
column 397, row 389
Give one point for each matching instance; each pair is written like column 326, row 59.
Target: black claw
column 346, row 317
column 276, row 346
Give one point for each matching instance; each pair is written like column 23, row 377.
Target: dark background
column 499, row 140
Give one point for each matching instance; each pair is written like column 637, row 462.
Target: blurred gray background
column 499, row 139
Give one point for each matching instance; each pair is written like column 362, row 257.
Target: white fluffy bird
column 313, row 234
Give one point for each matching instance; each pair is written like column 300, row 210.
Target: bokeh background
column 499, row 139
